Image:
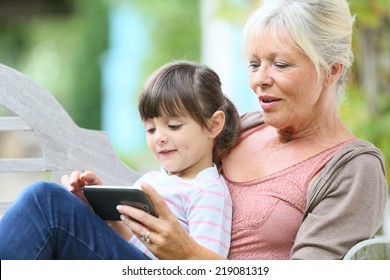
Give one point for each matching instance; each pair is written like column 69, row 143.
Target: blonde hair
column 321, row 29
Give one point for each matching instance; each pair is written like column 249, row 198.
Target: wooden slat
column 65, row 146
column 23, row 165
column 13, row 123
column 372, row 249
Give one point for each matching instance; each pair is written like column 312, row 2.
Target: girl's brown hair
column 191, row 89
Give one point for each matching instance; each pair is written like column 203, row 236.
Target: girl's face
column 180, row 144
column 285, row 82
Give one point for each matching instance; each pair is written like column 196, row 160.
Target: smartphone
column 104, row 199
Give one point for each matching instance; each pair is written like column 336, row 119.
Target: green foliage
column 174, row 33
column 174, row 28
column 62, row 54
column 234, row 11
column 375, row 129
column 371, row 13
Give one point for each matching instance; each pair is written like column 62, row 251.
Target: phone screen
column 104, row 199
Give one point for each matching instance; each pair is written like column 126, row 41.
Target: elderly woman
column 302, row 185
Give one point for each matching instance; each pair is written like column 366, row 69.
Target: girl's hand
column 76, row 181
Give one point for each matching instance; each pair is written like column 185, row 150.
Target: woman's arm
column 348, row 207
column 168, row 240
column 250, row 120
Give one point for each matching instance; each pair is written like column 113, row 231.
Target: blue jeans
column 48, row 222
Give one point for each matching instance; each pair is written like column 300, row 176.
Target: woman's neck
column 331, row 130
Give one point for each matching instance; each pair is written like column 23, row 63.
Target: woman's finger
column 150, row 237
column 164, row 235
column 138, row 220
column 158, row 201
column 166, row 239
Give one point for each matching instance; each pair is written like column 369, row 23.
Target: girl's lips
column 166, row 152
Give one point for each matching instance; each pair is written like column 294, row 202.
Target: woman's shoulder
column 250, row 120
column 357, row 159
column 358, row 149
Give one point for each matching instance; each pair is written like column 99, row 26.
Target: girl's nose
column 160, row 137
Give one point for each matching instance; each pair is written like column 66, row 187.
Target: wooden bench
column 67, row 147
column 372, row 249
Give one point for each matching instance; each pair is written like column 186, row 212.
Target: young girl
column 189, row 125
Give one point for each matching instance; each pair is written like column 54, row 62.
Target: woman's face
column 286, row 83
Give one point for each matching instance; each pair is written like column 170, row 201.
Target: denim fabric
column 48, row 222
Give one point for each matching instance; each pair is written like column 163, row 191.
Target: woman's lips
column 267, row 102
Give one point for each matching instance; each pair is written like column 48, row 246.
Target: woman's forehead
column 271, row 40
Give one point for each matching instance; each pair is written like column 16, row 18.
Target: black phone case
column 104, row 200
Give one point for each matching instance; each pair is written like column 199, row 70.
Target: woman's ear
column 216, row 123
column 334, row 75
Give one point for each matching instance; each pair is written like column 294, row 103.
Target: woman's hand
column 167, row 239
column 121, row 229
column 76, row 181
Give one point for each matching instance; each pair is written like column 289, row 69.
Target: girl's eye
column 150, row 130
column 175, row 126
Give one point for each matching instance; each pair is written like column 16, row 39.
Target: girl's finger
column 65, row 180
column 74, row 178
column 90, row 178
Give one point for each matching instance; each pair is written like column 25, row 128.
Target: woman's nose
column 261, row 77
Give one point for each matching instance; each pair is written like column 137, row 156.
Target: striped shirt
column 202, row 205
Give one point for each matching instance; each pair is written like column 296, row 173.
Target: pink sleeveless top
column 267, row 212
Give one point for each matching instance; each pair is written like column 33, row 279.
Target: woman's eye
column 253, row 65
column 281, row 65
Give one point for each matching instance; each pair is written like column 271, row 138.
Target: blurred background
column 94, row 55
